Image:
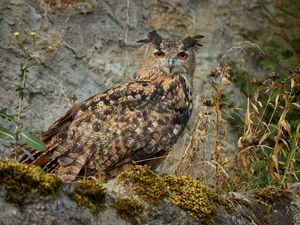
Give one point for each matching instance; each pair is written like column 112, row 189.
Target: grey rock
column 51, row 211
column 62, row 210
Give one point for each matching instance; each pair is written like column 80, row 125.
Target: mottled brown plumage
column 138, row 121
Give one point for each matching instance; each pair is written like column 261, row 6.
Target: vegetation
column 129, row 209
column 20, row 179
column 147, row 184
column 89, row 194
column 32, row 56
column 268, row 135
column 267, row 122
column 191, row 195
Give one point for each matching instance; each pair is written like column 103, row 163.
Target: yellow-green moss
column 227, row 202
column 129, row 209
column 193, row 197
column 146, row 183
column 269, row 195
column 20, row 179
column 186, row 192
column 89, row 194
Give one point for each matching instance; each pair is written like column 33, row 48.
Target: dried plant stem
column 238, row 46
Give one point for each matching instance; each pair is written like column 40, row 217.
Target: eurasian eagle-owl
column 137, row 121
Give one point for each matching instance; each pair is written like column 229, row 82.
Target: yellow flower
column 50, row 47
column 16, row 34
column 32, row 33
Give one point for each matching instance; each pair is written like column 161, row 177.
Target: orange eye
column 182, row 55
column 159, row 54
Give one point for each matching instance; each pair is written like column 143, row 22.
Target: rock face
column 50, row 211
column 137, row 196
column 62, row 210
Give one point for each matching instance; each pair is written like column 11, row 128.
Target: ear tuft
column 192, row 42
column 154, row 38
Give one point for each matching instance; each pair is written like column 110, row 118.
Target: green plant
column 280, row 52
column 269, row 147
column 283, row 50
column 275, row 115
column 20, row 134
column 268, row 143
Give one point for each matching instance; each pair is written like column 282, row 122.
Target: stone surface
column 51, row 211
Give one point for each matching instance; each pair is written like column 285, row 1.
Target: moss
column 146, row 183
column 269, row 195
column 227, row 202
column 21, row 179
column 193, row 197
column 186, row 192
column 89, row 194
column 129, row 209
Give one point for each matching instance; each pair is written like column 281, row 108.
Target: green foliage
column 22, row 135
column 4, row 133
column 4, row 115
column 271, row 126
column 268, row 126
column 270, row 141
column 296, row 44
column 281, row 99
column 32, row 141
column 267, row 64
column 257, row 165
column 283, row 50
column 30, row 62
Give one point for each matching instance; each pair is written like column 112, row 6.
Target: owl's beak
column 171, row 64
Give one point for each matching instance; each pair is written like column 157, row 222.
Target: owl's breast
column 176, row 96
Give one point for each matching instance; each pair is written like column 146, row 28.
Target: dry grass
column 267, row 150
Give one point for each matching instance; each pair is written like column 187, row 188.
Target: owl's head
column 168, row 56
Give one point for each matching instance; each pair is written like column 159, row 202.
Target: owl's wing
column 130, row 122
column 61, row 123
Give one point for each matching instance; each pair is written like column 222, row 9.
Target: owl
column 135, row 122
